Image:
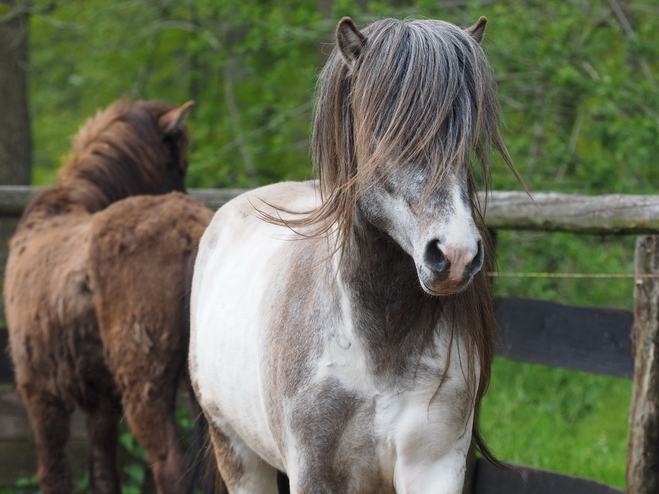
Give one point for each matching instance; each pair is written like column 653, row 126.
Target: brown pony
column 95, row 293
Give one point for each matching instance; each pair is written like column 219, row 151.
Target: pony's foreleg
column 242, row 470
column 50, row 422
column 103, row 434
column 152, row 422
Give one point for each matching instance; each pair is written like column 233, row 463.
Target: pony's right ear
column 477, row 31
column 350, row 40
column 173, row 121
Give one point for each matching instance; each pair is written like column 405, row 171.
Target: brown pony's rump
column 94, row 292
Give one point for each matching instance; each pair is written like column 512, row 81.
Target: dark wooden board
column 6, row 367
column 536, row 331
column 526, row 480
column 18, row 460
column 594, row 340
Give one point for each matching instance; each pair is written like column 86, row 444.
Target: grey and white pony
column 342, row 329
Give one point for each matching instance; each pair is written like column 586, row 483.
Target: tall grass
column 560, row 420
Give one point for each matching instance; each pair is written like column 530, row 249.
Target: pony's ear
column 173, row 121
column 477, row 31
column 349, row 39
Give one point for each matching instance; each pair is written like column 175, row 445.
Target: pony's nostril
column 477, row 262
column 434, row 257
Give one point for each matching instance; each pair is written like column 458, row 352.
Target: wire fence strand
column 505, row 274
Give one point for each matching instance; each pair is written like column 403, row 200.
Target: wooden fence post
column 643, row 452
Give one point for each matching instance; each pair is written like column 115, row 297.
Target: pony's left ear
column 350, row 40
column 477, row 31
column 173, row 121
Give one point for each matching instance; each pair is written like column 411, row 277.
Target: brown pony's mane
column 123, row 150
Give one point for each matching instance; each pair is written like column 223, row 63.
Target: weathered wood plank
column 15, row 424
column 643, row 452
column 603, row 214
column 215, row 198
column 14, row 198
column 18, row 460
column 6, row 367
column 581, row 338
column 526, row 480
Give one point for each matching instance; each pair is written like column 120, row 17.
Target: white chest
column 420, row 431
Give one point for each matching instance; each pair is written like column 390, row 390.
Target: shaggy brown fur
column 95, row 293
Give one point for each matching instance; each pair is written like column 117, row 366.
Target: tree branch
column 631, row 34
column 26, row 8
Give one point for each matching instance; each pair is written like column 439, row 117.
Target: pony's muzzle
column 451, row 266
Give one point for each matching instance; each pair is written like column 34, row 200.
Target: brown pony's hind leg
column 151, row 420
column 103, row 433
column 50, row 418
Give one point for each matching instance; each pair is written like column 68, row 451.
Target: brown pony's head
column 128, row 149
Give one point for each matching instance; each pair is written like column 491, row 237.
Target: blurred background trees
column 577, row 79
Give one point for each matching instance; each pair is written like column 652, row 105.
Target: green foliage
column 250, row 67
column 577, row 90
column 533, row 252
column 135, row 470
column 24, row 485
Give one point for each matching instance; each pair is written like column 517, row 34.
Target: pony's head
column 403, row 109
column 130, row 148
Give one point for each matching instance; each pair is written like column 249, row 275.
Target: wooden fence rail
column 588, row 339
column 552, row 211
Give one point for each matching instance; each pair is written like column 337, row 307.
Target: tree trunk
column 15, row 138
column 643, row 453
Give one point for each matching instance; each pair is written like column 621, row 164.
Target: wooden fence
column 598, row 340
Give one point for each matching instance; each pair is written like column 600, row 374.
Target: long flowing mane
column 420, row 92
column 121, row 151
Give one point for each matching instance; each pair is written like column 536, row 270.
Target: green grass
column 560, row 420
column 556, row 419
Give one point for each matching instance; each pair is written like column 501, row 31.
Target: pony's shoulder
column 283, row 198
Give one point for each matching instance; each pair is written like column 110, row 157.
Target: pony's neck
column 393, row 317
column 95, row 193
column 377, row 265
column 81, row 194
